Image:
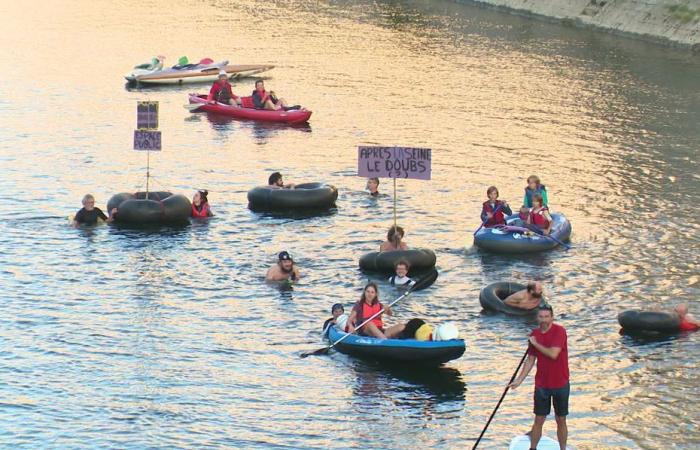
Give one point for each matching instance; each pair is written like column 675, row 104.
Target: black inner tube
column 637, row 321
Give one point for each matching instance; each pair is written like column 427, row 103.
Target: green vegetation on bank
column 684, row 13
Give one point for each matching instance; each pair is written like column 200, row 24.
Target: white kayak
column 523, row 443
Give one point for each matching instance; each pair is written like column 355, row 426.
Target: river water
column 171, row 339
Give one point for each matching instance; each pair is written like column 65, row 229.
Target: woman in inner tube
column 394, row 240
column 200, row 205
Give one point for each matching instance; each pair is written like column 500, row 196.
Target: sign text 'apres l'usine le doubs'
column 394, row 162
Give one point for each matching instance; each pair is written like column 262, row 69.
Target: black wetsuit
column 85, row 217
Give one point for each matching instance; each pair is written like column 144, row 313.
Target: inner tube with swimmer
column 636, row 321
column 159, row 208
column 306, row 196
column 492, row 296
column 420, row 259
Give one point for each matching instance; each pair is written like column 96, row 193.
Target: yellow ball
column 424, row 333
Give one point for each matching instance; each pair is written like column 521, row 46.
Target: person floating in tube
column 394, row 240
column 400, row 279
column 688, row 322
column 276, row 182
column 200, row 205
column 528, row 298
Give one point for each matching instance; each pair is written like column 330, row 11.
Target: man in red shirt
column 221, row 91
column 548, row 347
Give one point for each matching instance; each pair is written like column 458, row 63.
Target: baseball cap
column 285, row 256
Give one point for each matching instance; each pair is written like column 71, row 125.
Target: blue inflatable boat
column 398, row 350
column 510, row 239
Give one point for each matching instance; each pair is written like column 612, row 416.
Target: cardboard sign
column 394, row 162
column 146, row 140
column 147, row 115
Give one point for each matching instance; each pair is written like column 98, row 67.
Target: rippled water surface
column 170, row 338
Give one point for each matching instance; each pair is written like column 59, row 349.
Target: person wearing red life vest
column 221, row 92
column 494, row 211
column 200, row 205
column 688, row 322
column 365, row 308
column 548, row 346
column 539, row 215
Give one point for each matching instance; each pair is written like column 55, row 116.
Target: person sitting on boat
column 200, row 205
column 268, row 100
column 400, row 279
column 89, row 214
column 534, row 187
column 493, row 211
column 275, row 182
column 538, row 218
column 373, row 186
column 688, row 322
column 366, row 307
column 394, row 240
column 339, row 318
column 284, row 270
column 528, row 298
column 222, row 92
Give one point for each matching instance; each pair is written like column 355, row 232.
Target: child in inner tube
column 400, row 278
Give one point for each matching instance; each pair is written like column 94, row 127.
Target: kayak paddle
column 324, row 350
column 505, row 391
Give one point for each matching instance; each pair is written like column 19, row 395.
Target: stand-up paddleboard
column 523, row 443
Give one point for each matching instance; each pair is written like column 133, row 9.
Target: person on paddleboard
column 493, row 211
column 528, row 298
column 284, row 270
column 394, row 240
column 548, row 347
column 275, row 181
column 221, row 92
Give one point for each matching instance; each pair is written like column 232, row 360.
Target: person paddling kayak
column 548, row 346
column 268, row 100
column 222, row 92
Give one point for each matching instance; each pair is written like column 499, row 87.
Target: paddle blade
column 192, row 107
column 426, row 281
column 319, row 352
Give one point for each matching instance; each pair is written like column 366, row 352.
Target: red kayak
column 293, row 116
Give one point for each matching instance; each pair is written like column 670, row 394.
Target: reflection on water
column 136, row 338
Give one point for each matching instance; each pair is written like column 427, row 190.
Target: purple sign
column 394, row 162
column 147, row 115
column 146, row 140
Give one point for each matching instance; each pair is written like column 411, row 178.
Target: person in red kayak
column 493, row 211
column 548, row 346
column 539, row 215
column 200, row 205
column 221, row 92
column 268, row 100
column 688, row 322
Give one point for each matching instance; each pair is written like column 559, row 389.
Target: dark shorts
column 544, row 398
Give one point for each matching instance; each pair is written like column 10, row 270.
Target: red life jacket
column 538, row 218
column 365, row 311
column 498, row 218
column 221, row 94
column 687, row 326
column 204, row 212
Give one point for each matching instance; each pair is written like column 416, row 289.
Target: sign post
column 146, row 136
column 394, row 162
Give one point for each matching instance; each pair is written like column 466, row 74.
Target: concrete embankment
column 671, row 22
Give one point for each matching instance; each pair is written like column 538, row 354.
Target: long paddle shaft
column 505, row 391
column 326, row 349
column 493, row 214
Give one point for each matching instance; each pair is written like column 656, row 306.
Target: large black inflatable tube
column 637, row 321
column 160, row 208
column 491, row 298
column 420, row 259
column 306, row 196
